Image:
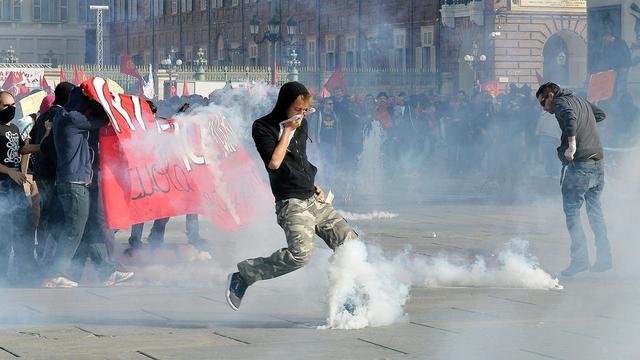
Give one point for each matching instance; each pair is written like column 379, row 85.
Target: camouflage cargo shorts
column 301, row 220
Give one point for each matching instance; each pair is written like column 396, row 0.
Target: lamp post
column 167, row 63
column 293, row 65
column 200, row 62
column 10, row 56
column 474, row 59
column 273, row 35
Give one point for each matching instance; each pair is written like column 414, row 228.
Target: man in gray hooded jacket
column 582, row 156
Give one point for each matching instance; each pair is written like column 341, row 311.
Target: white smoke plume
column 367, row 289
column 368, row 216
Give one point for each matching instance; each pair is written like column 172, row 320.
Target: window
column 158, row 8
column 218, row 3
column 203, row 5
column 10, row 10
column 50, row 10
column 426, row 35
column 253, row 50
column 351, row 52
column 426, row 59
column 234, row 2
column 187, row 5
column 331, row 55
column 174, row 7
column 5, row 10
column 133, row 9
column 311, row 53
column 399, row 48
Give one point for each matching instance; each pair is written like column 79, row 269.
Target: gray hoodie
column 577, row 117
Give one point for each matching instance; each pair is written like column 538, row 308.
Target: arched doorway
column 565, row 59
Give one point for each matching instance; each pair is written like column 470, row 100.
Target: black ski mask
column 7, row 114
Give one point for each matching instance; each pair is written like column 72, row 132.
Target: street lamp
column 200, row 62
column 167, row 63
column 10, row 56
column 293, row 65
column 273, row 35
column 474, row 59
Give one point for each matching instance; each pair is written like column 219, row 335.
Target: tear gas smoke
column 368, row 289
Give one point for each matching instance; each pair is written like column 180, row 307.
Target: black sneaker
column 573, row 269
column 236, row 286
column 601, row 266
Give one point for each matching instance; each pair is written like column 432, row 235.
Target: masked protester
column 281, row 140
column 16, row 215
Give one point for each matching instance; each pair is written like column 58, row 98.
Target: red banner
column 152, row 168
column 601, row 85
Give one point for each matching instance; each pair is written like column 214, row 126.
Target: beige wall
column 32, row 40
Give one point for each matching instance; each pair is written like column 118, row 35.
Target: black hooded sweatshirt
column 295, row 176
column 577, row 117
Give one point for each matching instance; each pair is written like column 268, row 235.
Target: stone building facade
column 49, row 31
column 330, row 33
column 518, row 38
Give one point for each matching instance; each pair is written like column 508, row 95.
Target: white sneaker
column 118, row 277
column 60, row 282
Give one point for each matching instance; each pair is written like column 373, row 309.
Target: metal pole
column 274, row 64
column 153, row 32
column 99, row 34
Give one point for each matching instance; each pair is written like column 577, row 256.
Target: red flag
column 44, row 85
column 14, row 83
column 128, row 67
column 173, row 91
column 492, row 87
column 539, row 78
column 601, row 85
column 336, row 80
column 200, row 166
column 185, row 88
column 82, row 76
column 324, row 92
column 275, row 74
column 76, row 77
column 63, row 76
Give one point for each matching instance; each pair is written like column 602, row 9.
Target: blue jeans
column 156, row 236
column 94, row 241
column 50, row 219
column 16, row 224
column 74, row 200
column 584, row 182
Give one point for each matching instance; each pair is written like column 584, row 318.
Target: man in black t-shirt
column 15, row 210
column 302, row 212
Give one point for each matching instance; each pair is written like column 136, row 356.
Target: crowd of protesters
column 64, row 216
column 51, row 203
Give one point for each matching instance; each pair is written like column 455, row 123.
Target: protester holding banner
column 74, row 174
column 582, row 156
column 15, row 211
column 302, row 212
